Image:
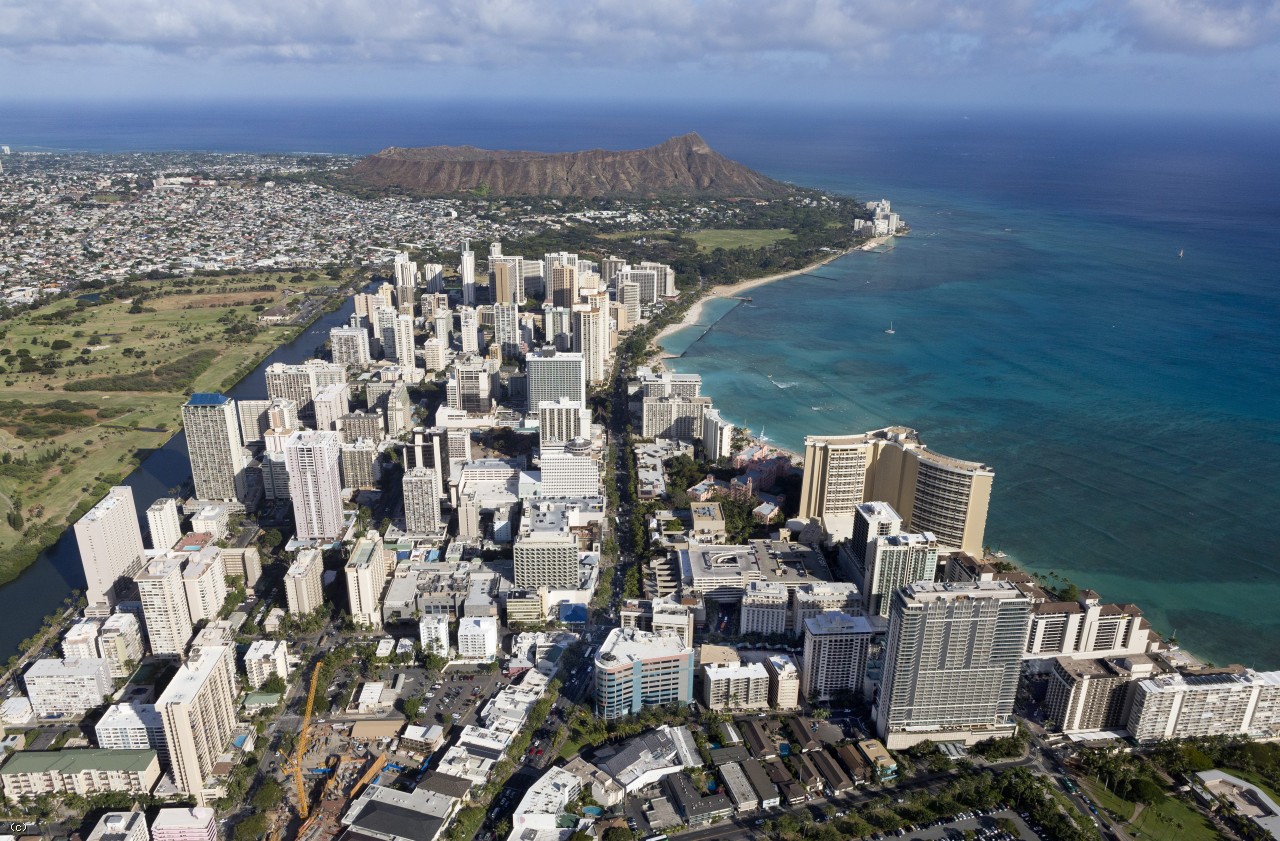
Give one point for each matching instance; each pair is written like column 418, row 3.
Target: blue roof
column 207, row 398
column 573, row 613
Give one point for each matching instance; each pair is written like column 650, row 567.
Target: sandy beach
column 734, row 290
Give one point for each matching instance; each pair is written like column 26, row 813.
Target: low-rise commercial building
column 635, row 669
column 185, row 823
column 120, row 826
column 84, row 771
column 264, row 660
column 735, row 687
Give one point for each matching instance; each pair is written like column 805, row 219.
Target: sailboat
column 890, row 331
column 1180, row 253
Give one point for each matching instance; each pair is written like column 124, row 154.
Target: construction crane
column 374, row 769
column 301, row 750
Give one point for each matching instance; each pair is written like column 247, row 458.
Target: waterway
column 25, row 601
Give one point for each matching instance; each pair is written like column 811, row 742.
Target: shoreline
column 733, row 290
column 1178, row 653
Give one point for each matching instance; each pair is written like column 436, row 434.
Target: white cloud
column 508, row 32
column 787, row 39
column 1197, row 26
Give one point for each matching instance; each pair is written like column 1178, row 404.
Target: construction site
column 330, row 767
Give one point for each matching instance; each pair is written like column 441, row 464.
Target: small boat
column 1180, row 253
column 890, row 331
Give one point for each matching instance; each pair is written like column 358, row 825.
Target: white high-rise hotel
column 935, row 493
column 421, row 501
column 555, row 375
column 315, row 484
column 198, row 712
column 110, row 543
column 953, row 655
column 467, row 271
column 213, row 445
column 164, row 523
column 164, row 605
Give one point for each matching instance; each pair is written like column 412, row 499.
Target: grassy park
column 712, row 238
column 89, row 387
column 729, row 238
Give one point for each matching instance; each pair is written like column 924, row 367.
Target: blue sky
column 1166, row 55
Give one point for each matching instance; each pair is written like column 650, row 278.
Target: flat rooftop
column 193, row 675
column 632, row 645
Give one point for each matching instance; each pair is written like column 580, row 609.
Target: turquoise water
column 1124, row 396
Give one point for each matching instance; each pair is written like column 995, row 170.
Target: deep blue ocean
column 1045, row 323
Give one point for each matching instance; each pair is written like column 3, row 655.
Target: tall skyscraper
column 953, row 655
column 304, row 582
column 164, row 605
column 421, row 501
column 570, row 474
column 350, row 346
column 936, row 493
column 406, row 354
column 366, row 574
column 315, row 484
column 835, row 655
column 894, row 561
column 253, row 420
column 629, row 298
column 406, row 271
column 205, row 582
column 870, row 521
column 557, row 327
column 469, row 330
column 561, row 421
column 432, row 278
column 331, row 403
column 506, row 329
column 442, row 323
column 385, row 325
column 110, row 542
column 646, row 281
column 591, row 339
column 506, row 279
column 546, row 551
column 472, row 384
column 564, row 285
column 467, row 269
column 555, row 375
column 213, row 445
column 300, row 383
column 198, row 709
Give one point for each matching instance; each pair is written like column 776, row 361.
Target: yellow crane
column 374, row 768
column 304, row 807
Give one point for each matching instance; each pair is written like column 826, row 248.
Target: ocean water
column 1045, row 324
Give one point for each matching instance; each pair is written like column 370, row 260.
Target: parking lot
column 986, row 827
column 462, row 691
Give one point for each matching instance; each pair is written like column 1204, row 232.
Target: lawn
column 127, row 373
column 1099, row 794
column 1172, row 820
column 738, row 238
